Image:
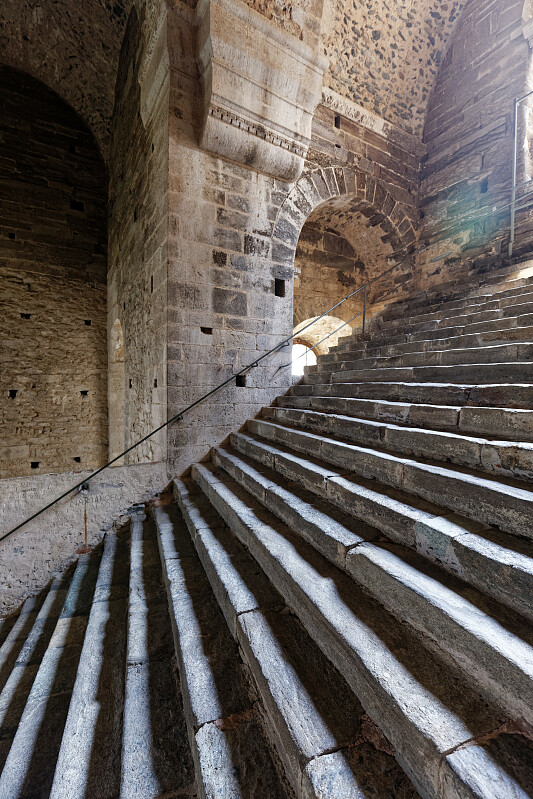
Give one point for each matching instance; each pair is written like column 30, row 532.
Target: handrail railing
column 179, row 416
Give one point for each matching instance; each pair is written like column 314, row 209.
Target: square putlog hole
column 279, row 287
column 240, row 381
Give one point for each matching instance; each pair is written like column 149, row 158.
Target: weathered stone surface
column 43, row 547
column 53, row 270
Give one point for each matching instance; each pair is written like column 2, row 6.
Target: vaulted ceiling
column 73, row 47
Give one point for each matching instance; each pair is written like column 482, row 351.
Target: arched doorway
column 340, row 229
column 53, row 268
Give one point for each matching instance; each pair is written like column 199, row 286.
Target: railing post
column 515, row 170
column 364, row 311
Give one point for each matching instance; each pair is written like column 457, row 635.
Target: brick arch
column 323, row 185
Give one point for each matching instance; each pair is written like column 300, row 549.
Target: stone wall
column 53, row 275
column 73, row 47
column 223, row 309
column 32, row 555
column 385, row 55
column 469, row 137
column 137, row 279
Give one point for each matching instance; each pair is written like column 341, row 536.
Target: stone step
column 511, row 458
column 450, row 308
column 503, row 423
column 505, row 329
column 335, row 514
column 482, row 637
column 231, row 756
column 20, row 628
column 367, row 349
column 517, row 396
column 314, row 718
column 83, row 767
column 504, row 504
column 490, row 354
column 477, row 373
column 33, row 645
column 152, row 711
column 425, row 709
column 29, row 768
column 445, row 329
column 459, row 316
column 479, row 293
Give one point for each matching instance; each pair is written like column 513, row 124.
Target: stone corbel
column 260, row 86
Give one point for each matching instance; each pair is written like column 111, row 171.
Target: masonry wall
column 137, row 281
column 223, row 311
column 53, row 364
column 469, row 138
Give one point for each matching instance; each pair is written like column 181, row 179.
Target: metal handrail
column 179, row 416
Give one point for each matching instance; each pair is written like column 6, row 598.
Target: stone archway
column 337, row 230
column 343, row 183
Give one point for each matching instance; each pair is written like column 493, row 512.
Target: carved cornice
column 371, row 121
column 257, row 130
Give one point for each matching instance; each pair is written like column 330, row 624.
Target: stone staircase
column 337, row 606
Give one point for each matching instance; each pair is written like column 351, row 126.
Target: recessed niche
column 484, row 187
column 88, row 322
column 13, row 393
column 240, row 381
column 207, row 331
column 77, row 205
column 337, row 121
column 84, row 393
column 77, row 459
column 151, row 284
column 279, row 287
column 25, row 316
column 11, row 235
column 35, row 464
column 130, row 383
column 135, row 215
column 155, row 383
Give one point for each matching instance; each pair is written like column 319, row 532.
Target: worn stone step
column 29, row 768
column 503, row 504
column 510, row 395
column 451, row 309
column 232, row 759
column 512, row 458
column 369, row 349
column 335, row 514
column 314, row 718
column 448, row 329
column 478, row 373
column 426, row 710
column 16, row 636
column 476, row 633
column 366, row 349
column 84, row 767
column 459, row 316
column 492, row 354
column 503, row 423
column 14, row 694
column 480, row 293
column 153, row 711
